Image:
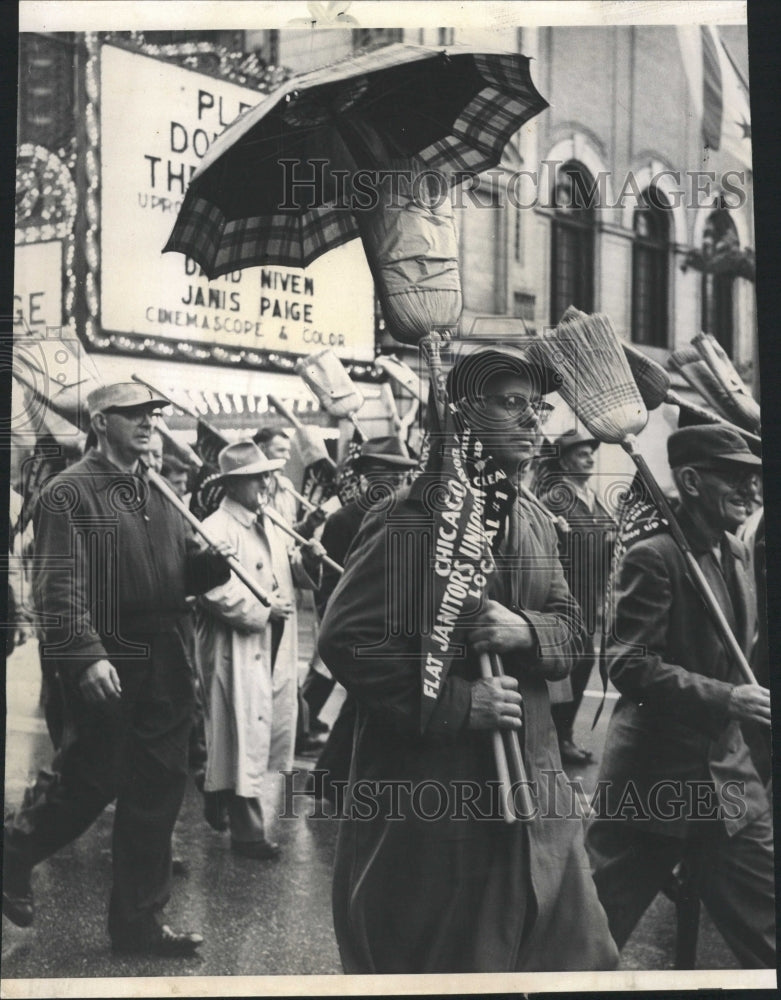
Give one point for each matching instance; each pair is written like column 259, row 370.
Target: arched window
column 572, row 240
column 650, row 270
column 719, row 237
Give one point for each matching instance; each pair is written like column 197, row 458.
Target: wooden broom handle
column 517, row 767
column 167, row 493
column 500, row 754
column 281, row 523
column 283, row 411
column 700, row 581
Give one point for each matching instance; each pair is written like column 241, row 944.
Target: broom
column 720, row 364
column 688, row 362
column 326, row 376
column 598, row 385
column 655, row 388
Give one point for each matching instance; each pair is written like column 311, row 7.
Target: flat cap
column 711, row 444
column 120, row 396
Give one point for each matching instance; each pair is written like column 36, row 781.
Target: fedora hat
column 244, row 458
column 574, row 437
column 385, row 451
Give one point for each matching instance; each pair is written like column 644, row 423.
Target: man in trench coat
column 249, row 681
column 421, row 891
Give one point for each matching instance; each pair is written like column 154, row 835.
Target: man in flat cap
column 113, row 565
column 424, row 881
column 680, row 780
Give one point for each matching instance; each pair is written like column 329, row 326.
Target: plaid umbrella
column 452, row 109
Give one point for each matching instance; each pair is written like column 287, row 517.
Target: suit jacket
column 675, row 678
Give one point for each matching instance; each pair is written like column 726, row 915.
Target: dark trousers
column 734, row 877
column 563, row 713
column 336, row 755
column 134, row 751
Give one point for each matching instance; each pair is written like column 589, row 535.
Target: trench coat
column 462, row 891
column 250, row 709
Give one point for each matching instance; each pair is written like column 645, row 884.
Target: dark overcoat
column 670, row 724
column 424, row 883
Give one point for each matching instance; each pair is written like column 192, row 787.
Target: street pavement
column 257, row 917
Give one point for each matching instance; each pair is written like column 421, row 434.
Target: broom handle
column 283, row 411
column 282, row 524
column 167, row 493
column 500, row 754
column 700, row 411
column 515, row 762
column 298, row 496
column 180, row 406
column 354, row 421
column 700, row 581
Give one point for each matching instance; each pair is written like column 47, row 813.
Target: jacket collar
column 101, row 468
column 238, row 512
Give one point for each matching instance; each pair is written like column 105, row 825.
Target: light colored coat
column 250, row 711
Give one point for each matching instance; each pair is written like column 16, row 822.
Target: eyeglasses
column 513, row 403
column 134, row 413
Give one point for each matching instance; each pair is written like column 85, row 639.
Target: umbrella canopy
column 448, row 110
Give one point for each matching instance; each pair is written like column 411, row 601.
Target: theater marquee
column 157, row 120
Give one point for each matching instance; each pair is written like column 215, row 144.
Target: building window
column 572, row 241
column 650, row 270
column 376, row 38
column 718, row 238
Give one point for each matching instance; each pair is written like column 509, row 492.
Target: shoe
column 17, row 891
column 572, row 754
column 18, row 908
column 215, row 811
column 316, row 726
column 259, row 850
column 166, row 943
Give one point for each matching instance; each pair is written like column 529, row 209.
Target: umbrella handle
column 700, row 581
column 500, row 754
column 167, row 493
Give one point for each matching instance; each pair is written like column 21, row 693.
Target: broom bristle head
column 652, row 380
column 597, row 381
